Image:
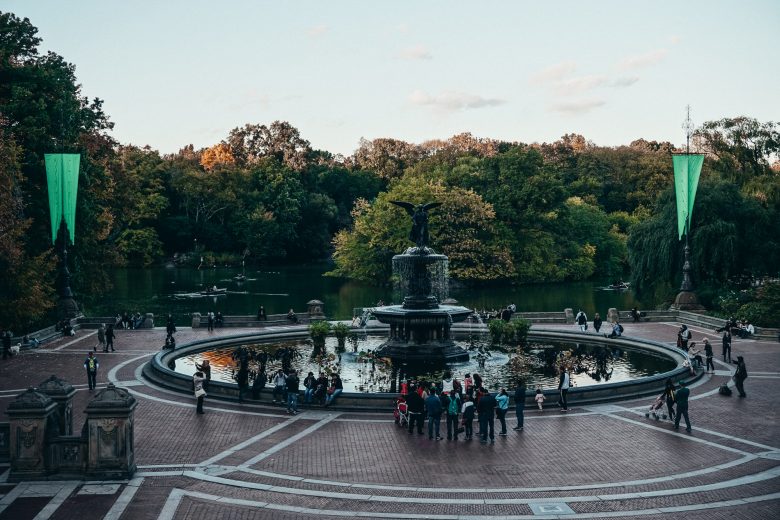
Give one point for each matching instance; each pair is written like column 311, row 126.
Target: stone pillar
column 110, row 451
column 613, row 315
column 61, row 392
column 569, row 314
column 148, row 322
column 195, row 320
column 315, row 308
column 32, row 422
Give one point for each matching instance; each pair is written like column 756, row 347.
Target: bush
column 341, row 331
column 319, row 331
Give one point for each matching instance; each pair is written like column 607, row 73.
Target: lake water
column 161, row 290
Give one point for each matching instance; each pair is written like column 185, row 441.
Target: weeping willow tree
column 732, row 235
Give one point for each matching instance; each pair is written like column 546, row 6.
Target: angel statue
column 419, row 214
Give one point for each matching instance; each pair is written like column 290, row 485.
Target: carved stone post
column 61, row 392
column 315, row 309
column 110, row 451
column 32, row 422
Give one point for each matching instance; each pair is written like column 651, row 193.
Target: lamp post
column 62, row 178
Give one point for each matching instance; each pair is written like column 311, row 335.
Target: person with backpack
column 683, row 337
column 582, row 321
column 502, row 407
column 617, row 330
column 433, row 407
column 468, row 417
column 91, row 365
column 453, row 411
column 740, row 375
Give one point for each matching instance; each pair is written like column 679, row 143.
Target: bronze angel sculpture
column 419, row 214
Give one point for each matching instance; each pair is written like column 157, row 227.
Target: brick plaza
column 253, row 461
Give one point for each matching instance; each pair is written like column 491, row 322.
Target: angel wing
column 431, row 205
column 408, row 206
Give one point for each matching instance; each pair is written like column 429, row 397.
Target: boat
column 216, row 291
column 620, row 286
column 239, row 278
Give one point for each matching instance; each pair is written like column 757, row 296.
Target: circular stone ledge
column 157, row 371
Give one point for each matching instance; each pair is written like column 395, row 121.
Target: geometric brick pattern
column 252, row 461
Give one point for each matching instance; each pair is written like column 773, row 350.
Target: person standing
column 708, row 355
column 242, row 378
column 486, row 409
column 597, row 322
column 433, row 408
column 582, row 321
column 684, row 335
column 669, row 396
column 170, row 326
column 502, row 407
column 726, row 345
column 520, row 404
column 740, row 375
column 564, row 382
column 109, row 338
column 416, row 407
column 205, row 367
column 211, row 322
column 101, row 335
column 293, row 385
column 91, row 365
column 468, row 417
column 682, row 407
column 6, row 335
column 453, row 411
column 197, row 382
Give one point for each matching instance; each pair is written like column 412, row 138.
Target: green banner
column 687, row 168
column 62, row 176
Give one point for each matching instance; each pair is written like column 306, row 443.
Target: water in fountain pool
column 361, row 371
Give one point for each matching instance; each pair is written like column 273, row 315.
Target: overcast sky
column 176, row 72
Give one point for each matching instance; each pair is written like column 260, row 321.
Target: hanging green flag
column 687, row 168
column 62, row 176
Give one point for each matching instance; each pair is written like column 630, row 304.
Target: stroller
column 656, row 409
column 401, row 412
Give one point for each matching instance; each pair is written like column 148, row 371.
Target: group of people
column 615, row 329
column 125, row 321
column 105, row 338
column 461, row 403
column 214, row 319
column 286, row 386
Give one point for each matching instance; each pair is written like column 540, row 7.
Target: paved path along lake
column 253, row 461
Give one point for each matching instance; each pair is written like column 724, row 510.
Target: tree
column 463, row 228
column 388, row 158
column 280, row 140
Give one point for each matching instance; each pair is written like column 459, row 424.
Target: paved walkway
column 254, row 462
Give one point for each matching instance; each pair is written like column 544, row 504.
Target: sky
column 178, row 72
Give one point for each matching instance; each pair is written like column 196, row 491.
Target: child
column 539, row 397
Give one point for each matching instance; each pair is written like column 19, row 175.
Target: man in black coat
column 486, row 410
column 520, row 404
column 416, row 407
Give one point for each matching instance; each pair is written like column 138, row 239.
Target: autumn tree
column 280, row 140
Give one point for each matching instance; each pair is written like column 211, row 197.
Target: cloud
column 451, row 101
column 577, row 107
column 674, row 40
column 418, row 52
column 580, row 84
column 643, row 60
column 317, row 31
column 625, row 81
column 553, row 73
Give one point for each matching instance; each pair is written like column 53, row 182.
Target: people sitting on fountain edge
column 336, row 387
column 617, row 330
column 292, row 316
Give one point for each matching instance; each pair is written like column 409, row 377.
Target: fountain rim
column 156, row 370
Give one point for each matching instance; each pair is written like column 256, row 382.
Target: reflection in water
column 363, row 371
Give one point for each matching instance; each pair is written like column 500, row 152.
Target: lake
column 164, row 290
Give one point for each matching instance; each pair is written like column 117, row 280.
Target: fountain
column 420, row 327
